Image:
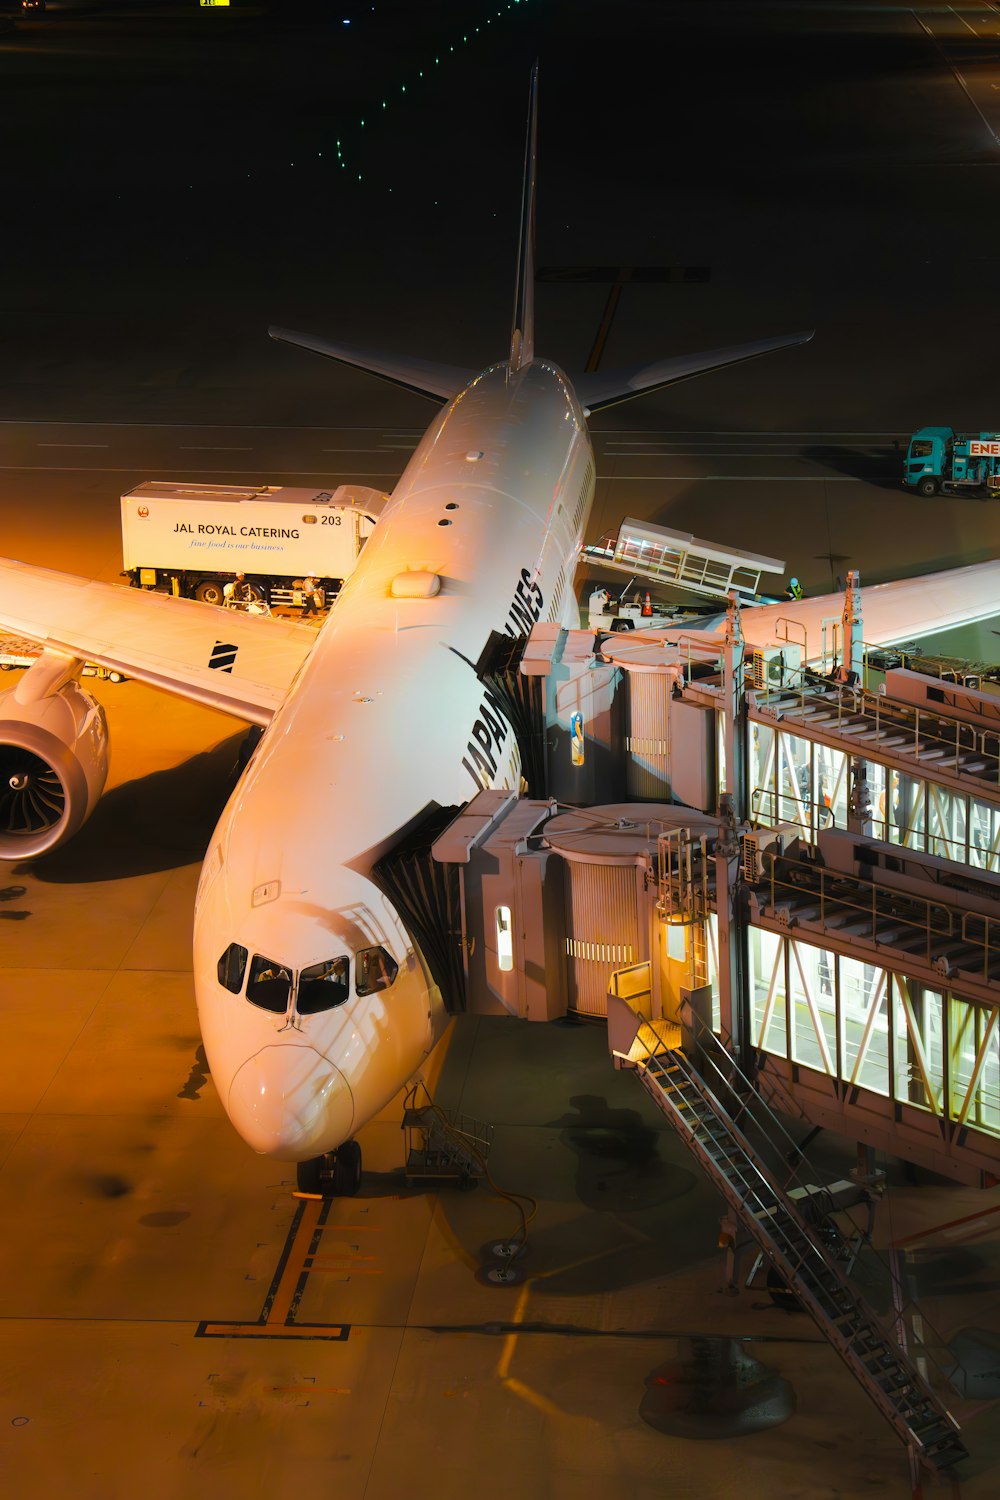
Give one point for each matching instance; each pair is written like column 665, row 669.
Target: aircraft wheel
column 927, row 485
column 347, row 1170
column 307, row 1178
column 209, row 591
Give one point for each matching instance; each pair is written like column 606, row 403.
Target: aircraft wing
column 242, row 664
column 891, row 612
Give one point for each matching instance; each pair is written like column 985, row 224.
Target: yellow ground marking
column 298, row 1253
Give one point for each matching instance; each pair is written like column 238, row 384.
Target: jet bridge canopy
column 657, row 554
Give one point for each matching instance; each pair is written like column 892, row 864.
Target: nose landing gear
column 336, row 1174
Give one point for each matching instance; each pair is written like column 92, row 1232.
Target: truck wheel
column 209, row 591
column 621, row 625
column 928, row 485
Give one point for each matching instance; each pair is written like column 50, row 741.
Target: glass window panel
column 813, row 1009
column 919, row 1056
column 794, row 771
column 984, row 835
column 833, row 786
column 946, row 823
column 974, row 1037
column 269, row 984
column 376, row 969
column 712, row 934
column 760, row 773
column 232, row 967
column 864, row 1008
column 767, row 990
column 905, row 810
column 322, row 986
column 875, row 775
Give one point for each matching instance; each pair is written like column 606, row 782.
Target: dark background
column 171, row 185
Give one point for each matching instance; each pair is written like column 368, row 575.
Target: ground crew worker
column 310, row 596
column 242, row 593
column 795, row 589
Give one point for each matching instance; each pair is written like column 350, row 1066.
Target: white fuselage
column 384, row 722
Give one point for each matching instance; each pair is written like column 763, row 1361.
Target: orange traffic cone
column 647, row 606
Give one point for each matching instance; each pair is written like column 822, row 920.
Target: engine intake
column 53, row 766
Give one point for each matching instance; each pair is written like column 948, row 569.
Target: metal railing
column 923, row 730
column 682, row 888
column 874, row 906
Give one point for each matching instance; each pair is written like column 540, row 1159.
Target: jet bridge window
column 269, row 984
column 322, row 986
column 232, row 967
column 375, row 970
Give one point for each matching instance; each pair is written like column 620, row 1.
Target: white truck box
column 273, row 533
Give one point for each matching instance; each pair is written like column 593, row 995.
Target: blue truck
column 940, row 460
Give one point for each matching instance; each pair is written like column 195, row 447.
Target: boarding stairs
column 799, row 1252
column 443, row 1145
column 659, row 555
column 910, row 739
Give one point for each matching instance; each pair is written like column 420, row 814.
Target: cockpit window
column 322, row 986
column 232, row 967
column 269, row 984
column 375, row 970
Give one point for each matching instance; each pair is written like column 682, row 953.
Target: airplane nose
column 291, row 1103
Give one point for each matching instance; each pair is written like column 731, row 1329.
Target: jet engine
column 53, row 758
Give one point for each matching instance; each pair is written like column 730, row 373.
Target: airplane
column 316, row 1004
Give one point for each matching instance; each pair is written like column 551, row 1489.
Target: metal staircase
column 440, row 1144
column 797, row 1250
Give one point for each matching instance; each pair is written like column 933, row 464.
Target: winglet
column 522, row 338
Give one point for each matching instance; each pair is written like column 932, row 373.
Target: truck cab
column 928, row 459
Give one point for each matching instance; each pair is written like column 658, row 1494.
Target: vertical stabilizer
column 522, row 338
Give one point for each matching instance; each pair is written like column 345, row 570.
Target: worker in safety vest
column 795, row 589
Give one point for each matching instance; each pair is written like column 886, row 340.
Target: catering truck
column 940, row 459
column 192, row 539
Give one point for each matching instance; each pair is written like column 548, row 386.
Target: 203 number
column 330, row 520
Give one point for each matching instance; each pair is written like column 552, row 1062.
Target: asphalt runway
column 169, row 1324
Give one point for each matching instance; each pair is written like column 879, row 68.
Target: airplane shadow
column 878, row 465
column 155, row 822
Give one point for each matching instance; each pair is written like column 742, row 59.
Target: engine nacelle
column 53, row 762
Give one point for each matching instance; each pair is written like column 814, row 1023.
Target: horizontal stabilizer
column 607, row 388
column 423, row 376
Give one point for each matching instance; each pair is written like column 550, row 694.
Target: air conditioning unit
column 775, row 840
column 777, row 664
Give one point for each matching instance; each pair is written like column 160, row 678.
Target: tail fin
column 522, row 338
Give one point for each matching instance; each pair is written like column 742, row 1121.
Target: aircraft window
column 232, row 967
column 269, row 984
column 922, row 448
column 322, row 986
column 375, row 970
